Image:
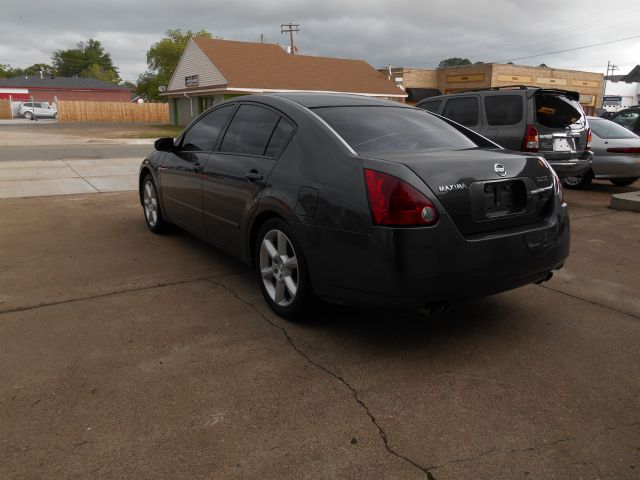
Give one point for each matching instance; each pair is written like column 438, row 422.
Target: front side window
column 503, row 109
column 368, row 129
column 250, row 131
column 463, row 110
column 203, row 136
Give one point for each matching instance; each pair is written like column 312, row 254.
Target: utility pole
column 610, row 68
column 291, row 28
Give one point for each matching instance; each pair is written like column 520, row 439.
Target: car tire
column 151, row 206
column 624, row 182
column 579, row 181
column 28, row 115
column 55, row 116
column 282, row 271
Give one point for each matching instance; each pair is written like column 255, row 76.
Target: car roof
column 507, row 90
column 314, row 100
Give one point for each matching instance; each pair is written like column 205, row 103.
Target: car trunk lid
column 483, row 190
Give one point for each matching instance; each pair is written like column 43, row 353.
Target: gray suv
column 529, row 119
column 30, row 110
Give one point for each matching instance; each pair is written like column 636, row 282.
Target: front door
column 181, row 171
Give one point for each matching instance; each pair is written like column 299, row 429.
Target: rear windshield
column 368, row 129
column 554, row 110
column 607, row 129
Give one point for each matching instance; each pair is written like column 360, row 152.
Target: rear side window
column 462, row 110
column 558, row 111
column 27, row 105
column 250, row 131
column 432, row 105
column 278, row 138
column 203, row 136
column 503, row 109
column 370, row 129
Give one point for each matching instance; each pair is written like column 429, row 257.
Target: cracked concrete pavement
column 130, row 355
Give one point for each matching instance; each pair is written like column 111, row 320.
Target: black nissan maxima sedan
column 358, row 201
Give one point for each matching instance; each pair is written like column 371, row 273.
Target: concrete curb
column 626, row 201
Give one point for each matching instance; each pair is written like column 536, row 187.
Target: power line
column 568, row 49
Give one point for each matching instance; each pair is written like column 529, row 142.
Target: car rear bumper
column 571, row 167
column 408, row 268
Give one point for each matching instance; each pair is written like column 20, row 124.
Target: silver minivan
column 529, row 119
column 30, row 110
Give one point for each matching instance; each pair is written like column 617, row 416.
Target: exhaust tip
column 430, row 310
column 545, row 279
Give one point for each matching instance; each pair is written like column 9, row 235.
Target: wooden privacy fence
column 72, row 111
column 5, row 109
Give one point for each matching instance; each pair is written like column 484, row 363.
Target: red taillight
column 530, row 142
column 624, row 150
column 395, row 202
column 589, row 137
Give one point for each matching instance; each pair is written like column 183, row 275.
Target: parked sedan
column 358, row 201
column 616, row 155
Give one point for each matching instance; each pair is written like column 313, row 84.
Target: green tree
column 79, row 61
column 454, row 62
column 96, row 71
column 6, row 71
column 162, row 60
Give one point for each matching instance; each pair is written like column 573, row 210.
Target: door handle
column 196, row 167
column 253, row 175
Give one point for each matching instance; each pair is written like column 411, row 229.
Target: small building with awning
column 212, row 70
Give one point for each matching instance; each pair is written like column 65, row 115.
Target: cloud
column 402, row 33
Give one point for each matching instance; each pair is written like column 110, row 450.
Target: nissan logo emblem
column 500, row 170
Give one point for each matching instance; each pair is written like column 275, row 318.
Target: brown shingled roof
column 259, row 66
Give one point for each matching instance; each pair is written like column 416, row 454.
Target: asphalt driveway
column 130, row 355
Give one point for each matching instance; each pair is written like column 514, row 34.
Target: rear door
column 181, row 171
column 464, row 110
column 235, row 175
column 504, row 119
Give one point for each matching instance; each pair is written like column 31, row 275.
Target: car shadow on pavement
column 605, row 186
column 408, row 330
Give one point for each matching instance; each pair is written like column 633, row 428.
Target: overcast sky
column 413, row 33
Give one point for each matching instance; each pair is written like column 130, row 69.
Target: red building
column 50, row 90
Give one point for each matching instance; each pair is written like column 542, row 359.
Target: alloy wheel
column 573, row 181
column 150, row 203
column 279, row 267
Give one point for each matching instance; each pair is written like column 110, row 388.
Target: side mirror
column 165, row 144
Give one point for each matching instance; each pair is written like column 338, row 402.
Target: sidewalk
column 19, row 139
column 39, row 178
